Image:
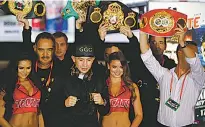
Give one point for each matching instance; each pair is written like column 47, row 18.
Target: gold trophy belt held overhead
column 113, row 16
column 162, row 22
column 81, row 7
column 20, row 7
column 29, row 8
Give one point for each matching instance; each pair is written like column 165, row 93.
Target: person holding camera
column 86, row 92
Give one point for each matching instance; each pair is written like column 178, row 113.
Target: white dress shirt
column 192, row 86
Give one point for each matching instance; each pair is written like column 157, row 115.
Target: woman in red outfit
column 22, row 96
column 123, row 93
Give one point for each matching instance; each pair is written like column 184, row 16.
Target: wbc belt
column 73, row 9
column 162, row 22
column 32, row 9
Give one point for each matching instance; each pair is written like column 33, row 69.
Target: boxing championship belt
column 74, row 9
column 3, row 7
column 162, row 22
column 32, row 9
column 113, row 13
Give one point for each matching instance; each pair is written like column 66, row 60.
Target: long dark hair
column 11, row 78
column 126, row 71
column 12, row 69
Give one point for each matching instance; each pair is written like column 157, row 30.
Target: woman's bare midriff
column 116, row 119
column 29, row 119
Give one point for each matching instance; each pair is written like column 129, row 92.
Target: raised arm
column 133, row 40
column 144, row 47
column 132, row 52
column 149, row 60
column 79, row 23
column 26, row 33
column 190, row 52
column 20, row 18
column 102, row 31
column 197, row 70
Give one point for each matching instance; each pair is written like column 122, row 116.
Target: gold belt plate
column 16, row 6
column 162, row 22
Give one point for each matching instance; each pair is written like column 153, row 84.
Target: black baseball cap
column 84, row 50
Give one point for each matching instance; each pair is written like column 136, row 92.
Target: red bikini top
column 23, row 102
column 121, row 102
